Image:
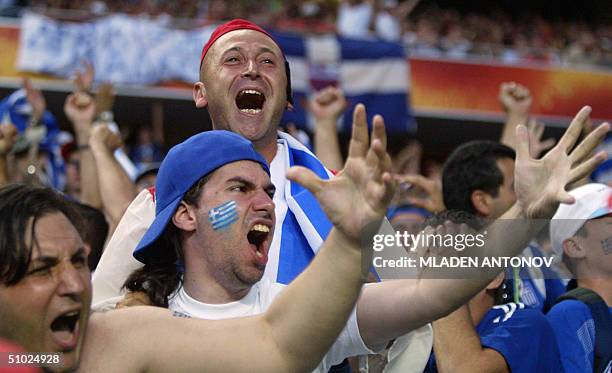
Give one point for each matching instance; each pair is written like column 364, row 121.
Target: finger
column 379, row 131
column 575, row 128
column 390, row 186
column 306, row 178
column 374, row 159
column 564, row 197
column 358, row 146
column 418, row 180
column 522, row 143
column 547, row 144
column 586, row 167
column 586, row 146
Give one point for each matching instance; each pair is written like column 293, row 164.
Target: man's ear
column 184, row 217
column 481, row 201
column 572, row 248
column 199, row 95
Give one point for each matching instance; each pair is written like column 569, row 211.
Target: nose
column 70, row 281
column 263, row 204
column 251, row 70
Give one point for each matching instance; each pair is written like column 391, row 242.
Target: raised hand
column 8, row 138
column 359, row 195
column 83, row 80
column 103, row 139
column 80, row 109
column 540, row 183
column 327, row 105
column 515, row 98
column 35, row 99
column 536, row 144
column 432, row 200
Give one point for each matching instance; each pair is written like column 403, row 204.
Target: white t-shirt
column 257, row 301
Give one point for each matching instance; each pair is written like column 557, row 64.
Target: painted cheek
column 224, row 215
column 607, row 245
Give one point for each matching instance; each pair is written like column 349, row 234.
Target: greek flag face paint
column 223, row 215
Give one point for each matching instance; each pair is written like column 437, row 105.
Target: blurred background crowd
column 431, row 29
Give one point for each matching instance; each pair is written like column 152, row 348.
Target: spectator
column 496, row 337
column 45, row 294
column 580, row 235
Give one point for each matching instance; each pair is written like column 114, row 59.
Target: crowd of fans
column 503, row 322
column 425, row 29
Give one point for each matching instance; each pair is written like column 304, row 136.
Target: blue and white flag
column 140, row 51
column 375, row 73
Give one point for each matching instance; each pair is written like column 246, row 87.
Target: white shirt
column 258, row 299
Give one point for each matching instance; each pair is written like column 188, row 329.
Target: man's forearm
column 90, row 193
column 458, row 349
column 327, row 147
column 316, row 306
column 116, row 189
column 393, row 308
column 513, row 119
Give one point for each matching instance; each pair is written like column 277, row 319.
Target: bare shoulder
column 111, row 338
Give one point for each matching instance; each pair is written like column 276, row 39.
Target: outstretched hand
column 359, row 195
column 540, row 183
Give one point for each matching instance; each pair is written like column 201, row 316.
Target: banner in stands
column 143, row 52
column 139, row 51
column 453, row 87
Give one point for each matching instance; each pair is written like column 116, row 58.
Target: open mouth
column 250, row 101
column 257, row 236
column 65, row 330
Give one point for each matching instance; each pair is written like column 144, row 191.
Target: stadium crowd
column 265, row 237
column 426, row 29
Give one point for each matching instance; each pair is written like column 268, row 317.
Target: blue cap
column 407, row 209
column 184, row 165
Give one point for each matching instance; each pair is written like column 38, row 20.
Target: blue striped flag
column 374, row 73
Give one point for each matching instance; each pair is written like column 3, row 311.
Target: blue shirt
column 521, row 335
column 575, row 332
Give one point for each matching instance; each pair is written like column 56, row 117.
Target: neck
column 212, row 292
column 602, row 286
column 267, row 148
column 207, row 284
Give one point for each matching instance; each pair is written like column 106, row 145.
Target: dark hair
column 20, row 206
column 93, row 228
column 470, row 167
column 502, row 293
column 161, row 278
column 457, row 217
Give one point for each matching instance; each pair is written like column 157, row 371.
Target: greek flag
column 139, row 51
column 373, row 72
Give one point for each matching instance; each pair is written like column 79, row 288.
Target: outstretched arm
column 393, row 308
column 304, row 321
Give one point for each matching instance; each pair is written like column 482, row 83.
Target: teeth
column 250, row 91
column 261, row 228
column 260, row 255
column 74, row 313
column 251, row 111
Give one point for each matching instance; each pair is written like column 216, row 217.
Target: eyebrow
column 269, row 187
column 260, row 51
column 48, row 260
